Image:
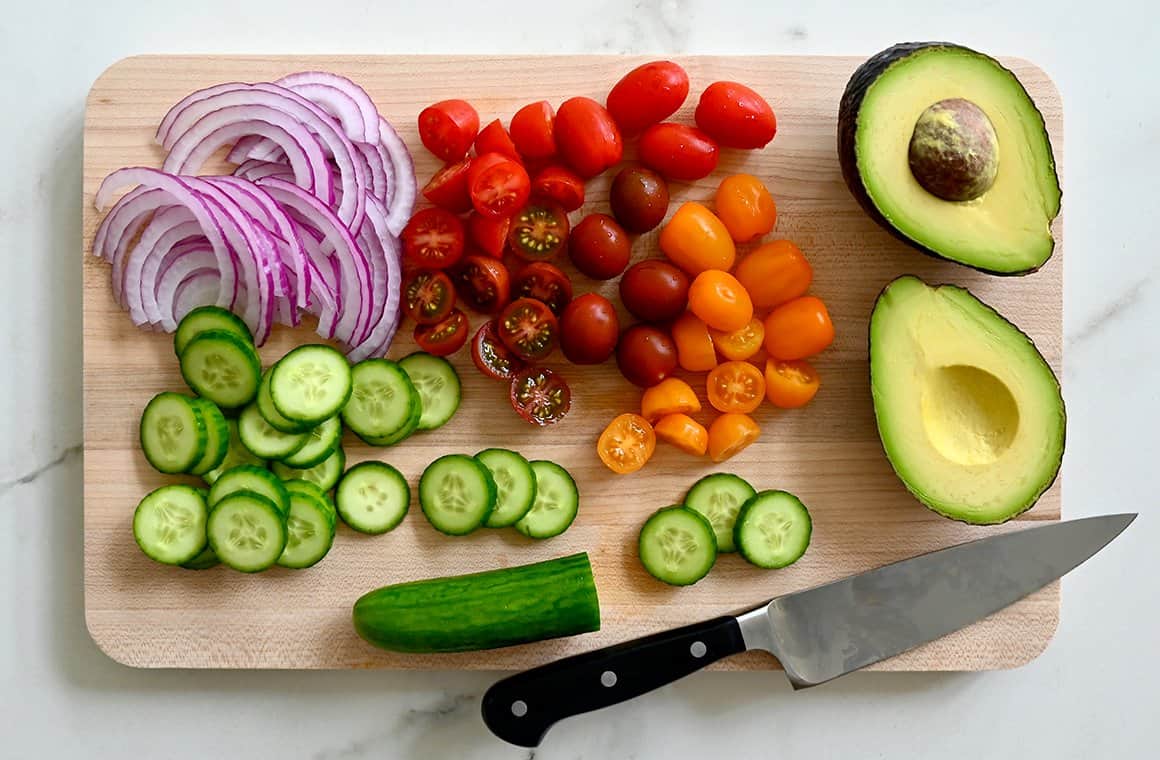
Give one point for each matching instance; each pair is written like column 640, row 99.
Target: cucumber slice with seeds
column 247, row 531
column 173, row 433
column 557, row 502
column 310, row 384
column 372, row 497
column 206, row 318
column 271, row 415
column 263, row 440
column 515, row 484
column 254, row 479
column 719, row 498
column 169, row 524
column 384, row 407
column 217, row 437
column 456, row 494
column 221, row 367
column 438, row 386
column 321, row 442
column 310, row 526
column 325, row 474
column 236, row 455
column 677, row 545
column 773, row 529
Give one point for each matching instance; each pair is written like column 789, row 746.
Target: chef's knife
column 817, row 634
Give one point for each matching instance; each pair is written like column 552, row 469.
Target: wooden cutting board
column 146, row 615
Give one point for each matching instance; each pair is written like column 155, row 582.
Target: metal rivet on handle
column 608, row 678
column 698, row 649
column 519, row 708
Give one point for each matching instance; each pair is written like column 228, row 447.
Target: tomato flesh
column 540, row 396
column 529, row 328
column 444, row 337
column 489, row 235
column 546, row 283
column 563, row 186
column 448, row 188
column 433, row 239
column 538, row 231
column 735, row 387
column 483, row 283
column 790, row 385
column 491, row 357
column 626, row 444
column 498, row 185
column 428, row 296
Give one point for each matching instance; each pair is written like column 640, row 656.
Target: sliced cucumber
column 204, row 561
column 438, row 385
column 247, row 531
column 265, row 441
column 271, row 415
column 325, row 474
column 222, row 367
column 456, row 494
column 515, row 486
column 237, row 454
column 321, row 442
column 169, row 524
column 310, row 384
column 719, row 497
column 206, row 318
column 677, row 545
column 372, row 497
column 384, row 407
column 557, row 502
column 254, row 479
column 217, row 432
column 173, row 433
column 309, row 527
column 773, row 529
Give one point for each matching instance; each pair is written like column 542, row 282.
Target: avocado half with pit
column 969, row 412
column 943, row 147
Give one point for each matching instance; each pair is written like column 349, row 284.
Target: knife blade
column 817, row 634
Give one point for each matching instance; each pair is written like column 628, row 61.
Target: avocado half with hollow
column 943, row 147
column 969, row 412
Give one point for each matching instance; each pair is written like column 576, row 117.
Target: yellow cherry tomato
column 696, row 240
column 742, row 344
column 718, row 299
column 735, row 387
column 746, row 207
column 729, row 434
column 791, row 384
column 670, row 396
column 684, row 432
column 694, row 344
column 626, row 444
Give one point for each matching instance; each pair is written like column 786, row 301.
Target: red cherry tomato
column 589, row 328
column 483, row 283
column 433, row 239
column 735, row 116
column 648, row 94
column 654, row 290
column 494, row 139
column 587, row 137
column 491, row 356
column 445, row 337
column 489, row 235
column 546, row 283
column 448, row 188
column 678, row 151
column 533, row 130
column 599, row 247
column 499, row 186
column 448, row 127
column 428, row 296
column 539, row 231
column 540, row 395
column 561, row 185
column 646, row 355
column 529, row 328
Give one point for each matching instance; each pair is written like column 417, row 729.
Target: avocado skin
column 851, row 103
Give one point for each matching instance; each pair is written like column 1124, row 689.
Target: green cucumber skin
column 488, row 610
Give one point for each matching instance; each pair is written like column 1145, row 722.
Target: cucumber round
column 556, row 504
column 310, row 526
column 271, row 415
column 773, row 529
column 310, row 384
column 169, row 524
column 247, row 531
column 372, row 497
column 204, row 561
column 173, row 433
column 254, row 479
column 236, row 454
column 719, row 498
column 222, row 367
column 438, row 386
column 456, row 494
column 325, row 474
column 677, row 545
column 217, row 431
column 265, row 441
column 384, row 407
column 206, row 318
column 321, row 442
column 515, row 485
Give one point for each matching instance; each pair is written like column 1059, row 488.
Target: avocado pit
column 954, row 151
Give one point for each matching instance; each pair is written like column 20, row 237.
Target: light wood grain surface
column 147, row 615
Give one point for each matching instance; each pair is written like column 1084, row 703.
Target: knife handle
column 521, row 708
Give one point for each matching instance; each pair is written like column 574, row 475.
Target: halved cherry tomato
column 626, row 444
column 684, row 432
column 696, row 240
column 720, row 301
column 599, row 247
column 433, row 239
column 745, row 206
column 498, row 185
column 647, row 94
column 587, row 137
column 539, row 231
column 489, row 235
column 445, row 337
column 670, row 396
column 736, row 116
column 546, row 283
column 529, row 328
column 735, row 387
column 494, row 139
column 448, row 188
column 678, row 151
column 694, row 343
column 798, row 329
column 589, row 329
column 645, row 355
column 740, row 345
column 483, row 283
column 540, row 396
column 448, row 127
column 654, row 290
column 533, row 130
column 555, row 183
column 428, row 296
column 790, row 385
column 729, row 434
column 491, row 356
column 775, row 273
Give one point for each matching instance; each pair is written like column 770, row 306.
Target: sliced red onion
column 309, row 84
column 178, row 108
column 379, row 239
column 187, row 260
column 150, row 295
column 324, row 298
column 404, row 184
column 126, row 218
column 168, row 228
column 195, row 291
column 122, row 252
column 253, row 170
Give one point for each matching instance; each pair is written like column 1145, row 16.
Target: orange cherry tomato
column 729, row 434
column 684, row 432
column 720, row 301
column 670, row 396
column 626, row 444
column 735, row 387
column 775, row 273
column 694, row 344
column 746, row 207
column 696, row 240
column 798, row 329
column 742, row 344
column 790, row 385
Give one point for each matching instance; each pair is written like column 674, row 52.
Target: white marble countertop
column 1093, row 693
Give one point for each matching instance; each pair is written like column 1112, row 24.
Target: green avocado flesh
column 970, row 414
column 1004, row 230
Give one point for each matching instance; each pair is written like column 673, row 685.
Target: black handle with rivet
column 521, row 708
